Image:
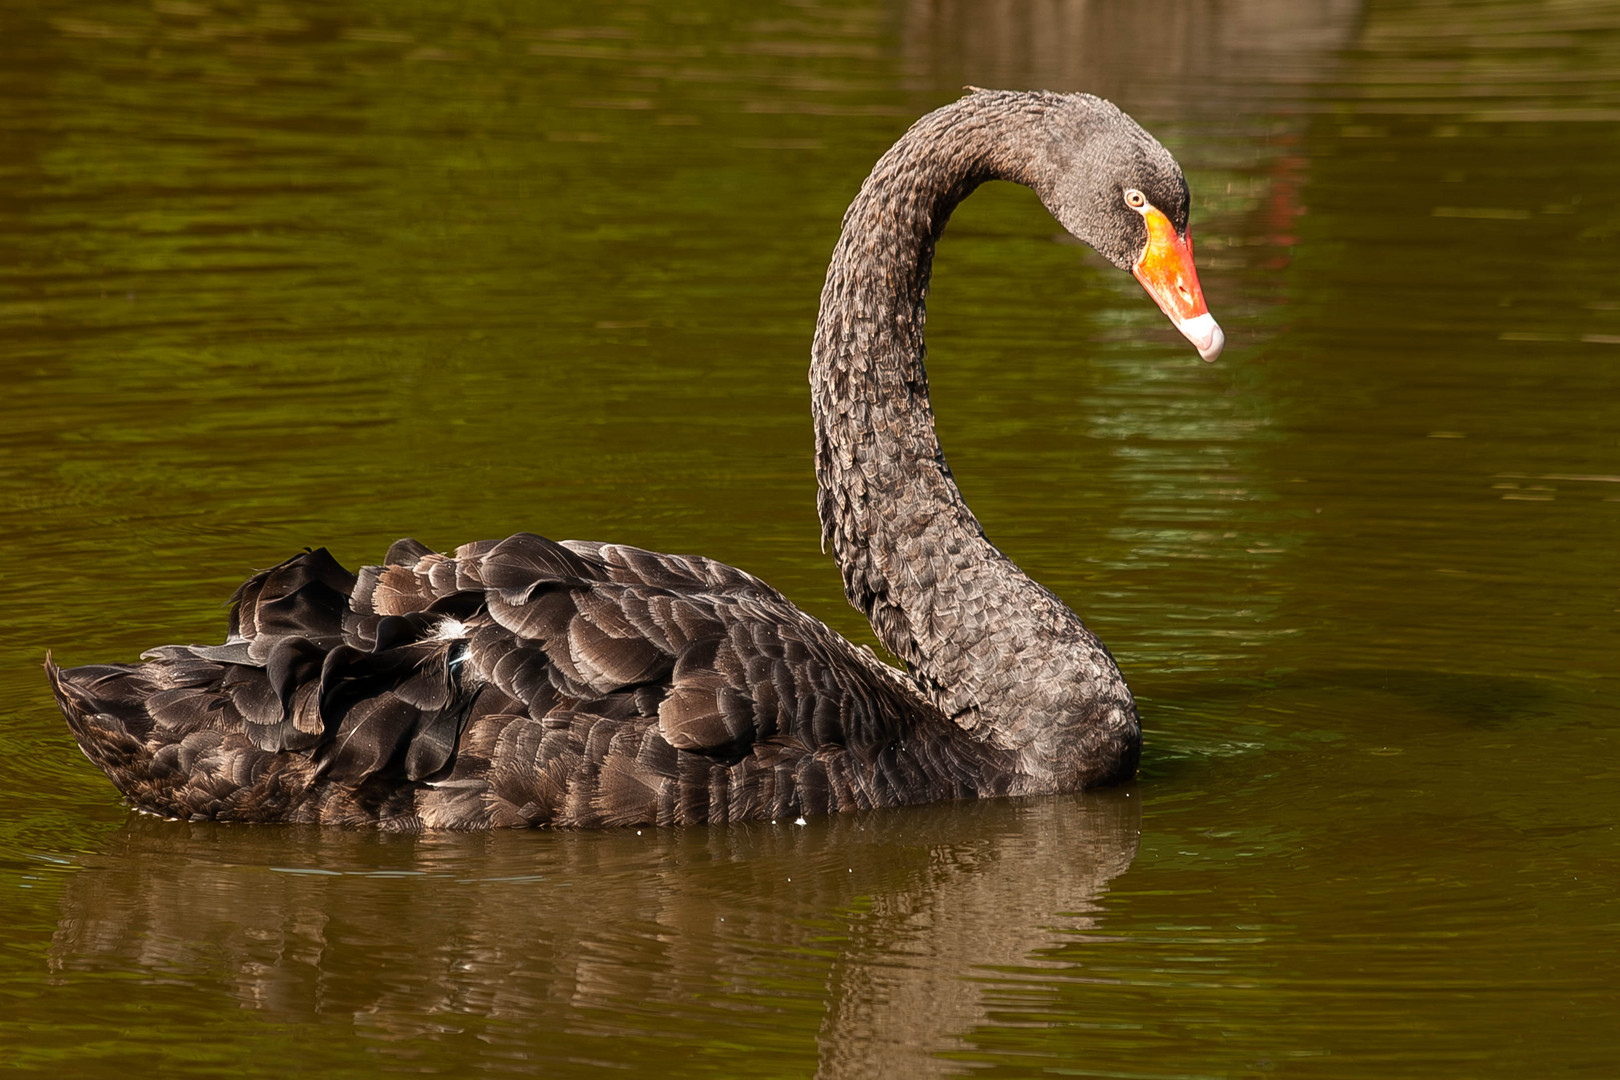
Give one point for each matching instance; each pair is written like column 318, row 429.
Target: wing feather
column 519, row 681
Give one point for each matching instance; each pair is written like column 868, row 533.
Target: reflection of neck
column 974, row 630
column 998, row 908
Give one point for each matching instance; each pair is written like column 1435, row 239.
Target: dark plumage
column 529, row 682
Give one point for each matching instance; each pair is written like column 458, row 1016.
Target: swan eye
column 1135, row 199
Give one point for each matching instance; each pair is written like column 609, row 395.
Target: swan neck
column 891, row 512
column 997, row 653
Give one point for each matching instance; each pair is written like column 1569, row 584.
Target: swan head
column 1113, row 186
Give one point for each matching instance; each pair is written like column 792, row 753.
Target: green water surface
column 287, row 274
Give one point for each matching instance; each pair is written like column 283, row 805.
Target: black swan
column 528, row 682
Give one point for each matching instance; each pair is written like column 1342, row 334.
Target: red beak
column 1167, row 272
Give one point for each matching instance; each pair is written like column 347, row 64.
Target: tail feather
column 104, row 707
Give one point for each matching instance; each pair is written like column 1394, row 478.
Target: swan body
column 532, row 682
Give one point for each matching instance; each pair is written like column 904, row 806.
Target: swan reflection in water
column 864, row 941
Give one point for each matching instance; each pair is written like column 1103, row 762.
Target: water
column 277, row 275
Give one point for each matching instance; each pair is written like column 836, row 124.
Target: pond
column 281, row 275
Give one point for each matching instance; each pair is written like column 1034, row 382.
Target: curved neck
column 913, row 556
column 997, row 653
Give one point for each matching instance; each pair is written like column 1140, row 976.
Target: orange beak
column 1167, row 272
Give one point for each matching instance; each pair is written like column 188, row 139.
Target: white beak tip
column 1205, row 334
